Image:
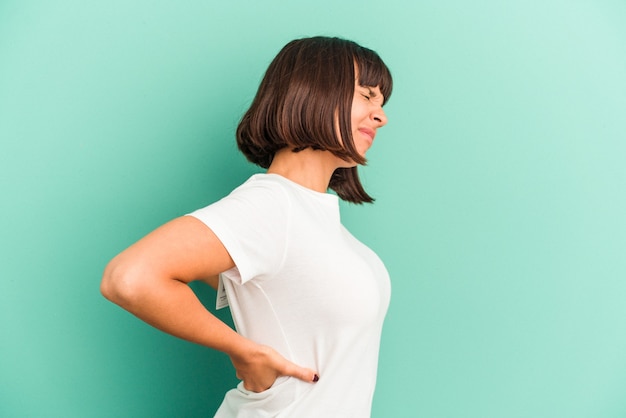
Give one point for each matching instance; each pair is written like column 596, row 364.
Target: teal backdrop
column 500, row 183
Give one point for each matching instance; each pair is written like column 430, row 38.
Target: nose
column 379, row 116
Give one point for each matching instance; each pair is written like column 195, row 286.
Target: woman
column 308, row 300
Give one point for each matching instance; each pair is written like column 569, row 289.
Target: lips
column 368, row 132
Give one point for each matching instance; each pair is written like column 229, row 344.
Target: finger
column 302, row 373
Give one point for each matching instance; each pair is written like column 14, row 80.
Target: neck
column 309, row 168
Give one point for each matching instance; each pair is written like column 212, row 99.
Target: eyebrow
column 371, row 92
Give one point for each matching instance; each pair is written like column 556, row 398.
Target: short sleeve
column 251, row 222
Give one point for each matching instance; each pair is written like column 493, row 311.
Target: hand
column 260, row 366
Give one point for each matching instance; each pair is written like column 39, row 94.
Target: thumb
column 302, row 373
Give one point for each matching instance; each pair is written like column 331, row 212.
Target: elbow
column 118, row 284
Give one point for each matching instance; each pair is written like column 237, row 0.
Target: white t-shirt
column 306, row 287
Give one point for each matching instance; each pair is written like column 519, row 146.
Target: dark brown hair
column 306, row 87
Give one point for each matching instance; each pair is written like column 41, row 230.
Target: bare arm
column 150, row 280
column 212, row 281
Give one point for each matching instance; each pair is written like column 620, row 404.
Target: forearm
column 171, row 306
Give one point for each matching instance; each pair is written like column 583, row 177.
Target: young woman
column 308, row 300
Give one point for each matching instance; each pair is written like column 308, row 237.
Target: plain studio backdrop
column 500, row 183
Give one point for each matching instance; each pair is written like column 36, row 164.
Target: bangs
column 373, row 72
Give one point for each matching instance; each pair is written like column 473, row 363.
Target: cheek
column 359, row 112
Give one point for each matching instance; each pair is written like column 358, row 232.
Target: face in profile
column 367, row 116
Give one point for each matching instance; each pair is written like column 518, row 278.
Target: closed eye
column 370, row 94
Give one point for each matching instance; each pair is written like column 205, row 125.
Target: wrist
column 245, row 350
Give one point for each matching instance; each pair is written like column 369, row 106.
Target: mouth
column 369, row 133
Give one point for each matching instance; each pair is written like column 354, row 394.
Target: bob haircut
column 307, row 89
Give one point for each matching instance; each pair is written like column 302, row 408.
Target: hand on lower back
column 260, row 366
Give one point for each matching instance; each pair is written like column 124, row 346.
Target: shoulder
column 261, row 191
column 259, row 183
column 260, row 197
